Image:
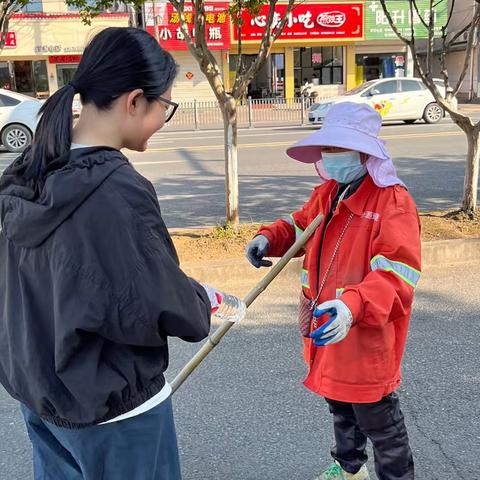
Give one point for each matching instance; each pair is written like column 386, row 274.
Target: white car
column 406, row 99
column 18, row 120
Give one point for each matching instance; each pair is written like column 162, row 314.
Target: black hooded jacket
column 90, row 289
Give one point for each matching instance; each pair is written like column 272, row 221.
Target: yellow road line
column 284, row 144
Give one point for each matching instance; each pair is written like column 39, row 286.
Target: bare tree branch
column 239, row 68
column 284, row 20
column 461, row 119
column 430, row 42
column 470, row 41
column 392, row 23
column 179, row 6
column 450, row 14
column 443, row 53
column 465, row 29
column 8, row 9
column 267, row 40
column 418, row 13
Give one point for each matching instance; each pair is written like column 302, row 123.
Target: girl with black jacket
column 90, row 284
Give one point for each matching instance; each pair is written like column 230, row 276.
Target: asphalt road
column 187, row 169
column 244, row 415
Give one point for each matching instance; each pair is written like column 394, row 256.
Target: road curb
column 435, row 253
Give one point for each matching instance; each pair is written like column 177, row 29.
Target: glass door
column 65, row 73
column 24, row 77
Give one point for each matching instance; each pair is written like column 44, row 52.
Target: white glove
column 337, row 327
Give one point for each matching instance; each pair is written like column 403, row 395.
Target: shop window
column 375, row 66
column 33, row 6
column 269, row 81
column 40, row 78
column 31, row 78
column 24, row 77
column 65, row 73
column 318, row 65
column 5, row 76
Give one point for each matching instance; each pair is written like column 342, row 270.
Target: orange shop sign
column 308, row 22
column 217, row 25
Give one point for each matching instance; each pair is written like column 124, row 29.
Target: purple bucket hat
column 353, row 126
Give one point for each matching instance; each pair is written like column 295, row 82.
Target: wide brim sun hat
column 349, row 125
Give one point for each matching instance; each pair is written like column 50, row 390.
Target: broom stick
column 219, row 333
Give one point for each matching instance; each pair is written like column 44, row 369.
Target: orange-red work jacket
column 375, row 272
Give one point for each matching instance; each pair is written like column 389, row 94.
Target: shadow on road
column 435, row 182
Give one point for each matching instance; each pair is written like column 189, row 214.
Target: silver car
column 18, row 119
column 406, row 99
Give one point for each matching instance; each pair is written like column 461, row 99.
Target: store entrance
column 31, row 78
column 269, row 82
column 375, row 66
column 65, row 74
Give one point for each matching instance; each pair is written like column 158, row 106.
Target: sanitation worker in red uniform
column 359, row 275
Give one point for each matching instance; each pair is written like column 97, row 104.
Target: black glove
column 256, row 250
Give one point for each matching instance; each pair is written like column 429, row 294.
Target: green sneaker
column 336, row 472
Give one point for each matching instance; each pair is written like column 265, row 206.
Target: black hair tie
column 74, row 86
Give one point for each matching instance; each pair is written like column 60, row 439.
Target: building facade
column 316, row 46
column 44, row 45
column 333, row 46
column 163, row 22
column 462, row 14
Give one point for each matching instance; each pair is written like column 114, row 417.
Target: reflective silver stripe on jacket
column 290, row 220
column 304, row 278
column 408, row 274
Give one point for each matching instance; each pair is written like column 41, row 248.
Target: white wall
column 185, row 90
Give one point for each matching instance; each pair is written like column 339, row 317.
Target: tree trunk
column 471, row 172
column 229, row 111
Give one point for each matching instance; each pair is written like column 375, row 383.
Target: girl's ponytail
column 53, row 136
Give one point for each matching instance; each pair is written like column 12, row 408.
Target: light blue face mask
column 344, row 167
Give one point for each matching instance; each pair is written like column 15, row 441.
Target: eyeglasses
column 170, row 109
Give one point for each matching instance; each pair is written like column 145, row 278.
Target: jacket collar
column 357, row 202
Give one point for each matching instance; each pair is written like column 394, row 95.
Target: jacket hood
column 29, row 217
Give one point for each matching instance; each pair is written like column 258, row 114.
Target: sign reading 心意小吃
column 377, row 26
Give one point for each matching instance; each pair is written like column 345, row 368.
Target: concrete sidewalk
column 470, row 108
column 434, row 254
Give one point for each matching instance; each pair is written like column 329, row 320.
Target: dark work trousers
column 138, row 448
column 381, row 422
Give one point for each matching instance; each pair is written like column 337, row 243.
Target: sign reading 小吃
column 308, row 21
column 377, row 26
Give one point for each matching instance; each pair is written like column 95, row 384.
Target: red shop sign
column 64, row 59
column 10, row 40
column 217, row 26
column 308, row 22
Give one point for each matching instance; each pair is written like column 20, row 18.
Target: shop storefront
column 383, row 55
column 190, row 83
column 316, row 47
column 66, row 66
column 29, row 77
column 43, row 50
